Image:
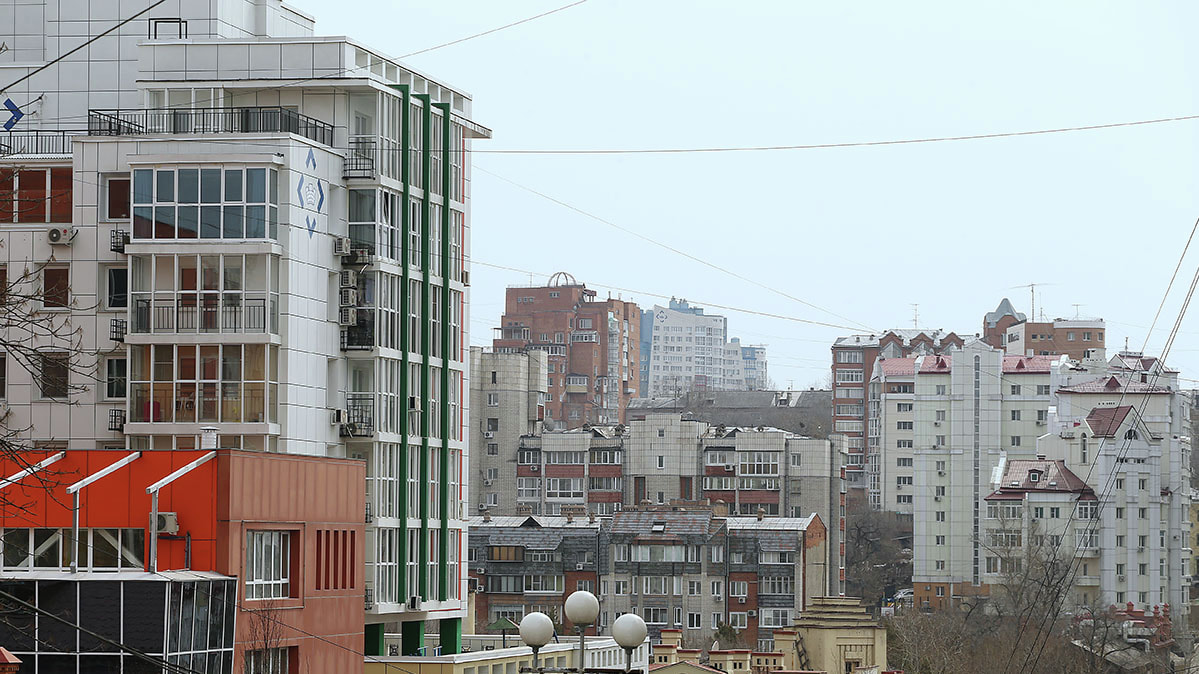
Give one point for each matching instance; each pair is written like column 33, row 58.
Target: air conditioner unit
column 168, row 523
column 340, row 417
column 413, row 603
column 1040, row 422
column 899, row 486
column 937, row 498
column 480, row 570
column 347, row 278
column 941, row 473
column 413, row 403
column 342, row 245
column 534, row 468
column 482, row 506
column 728, row 466
column 489, row 434
column 578, row 566
column 936, row 446
column 348, row 297
column 1120, row 579
column 752, row 613
column 486, row 483
column 61, row 236
column 740, row 600
column 348, row 316
column 935, row 423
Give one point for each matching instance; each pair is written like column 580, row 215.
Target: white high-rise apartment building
column 263, row 231
column 690, row 350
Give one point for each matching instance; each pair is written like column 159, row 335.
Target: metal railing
column 360, row 415
column 116, row 420
column 117, row 329
column 270, row 119
column 360, row 161
column 248, row 314
column 35, row 142
column 360, row 337
column 118, row 241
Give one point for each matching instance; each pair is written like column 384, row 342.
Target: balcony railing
column 36, row 142
column 272, row 119
column 118, row 241
column 246, row 314
column 116, row 420
column 360, row 161
column 360, row 416
column 117, row 328
column 360, row 337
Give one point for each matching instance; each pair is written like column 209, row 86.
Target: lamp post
column 582, row 610
column 629, row 631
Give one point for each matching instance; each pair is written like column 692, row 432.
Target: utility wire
column 677, row 251
column 89, row 41
column 493, row 30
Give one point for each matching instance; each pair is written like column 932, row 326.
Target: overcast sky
column 863, row 232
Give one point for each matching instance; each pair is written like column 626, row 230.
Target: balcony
column 271, row 119
column 36, row 142
column 117, row 328
column 360, row 416
column 360, row 161
column 360, row 337
column 116, row 420
column 237, row 314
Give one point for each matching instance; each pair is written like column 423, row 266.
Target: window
column 717, row 555
column 904, row 425
column 114, row 377
column 56, row 287
column 849, row 376
column 738, row 588
column 116, row 287
column 941, row 389
column 903, row 480
column 1142, row 513
column 903, row 407
column 493, row 400
column 268, row 564
column 493, row 449
column 1015, row 389
column 846, row 356
column 620, row 553
column 1015, row 415
column 694, row 588
column 1119, row 513
column 939, row 441
column 622, row 587
column 717, row 589
column 694, row 621
column 24, row 194
column 716, row 621
column 940, row 516
column 267, row 661
column 212, row 203
column 1055, row 513
column 661, row 462
column 1015, row 441
column 940, row 416
column 654, row 615
column 117, row 198
column 3, row 376
column 1070, row 336
column 775, row 617
column 940, row 540
column 1042, row 389
column 739, row 620
column 55, row 375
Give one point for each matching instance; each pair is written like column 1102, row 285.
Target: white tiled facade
column 691, row 350
column 256, row 151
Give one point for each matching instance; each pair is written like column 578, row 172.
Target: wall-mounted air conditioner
column 347, row 278
column 61, row 236
column 348, row 297
column 342, row 245
column 348, row 316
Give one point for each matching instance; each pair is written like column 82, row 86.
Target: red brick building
column 593, row 346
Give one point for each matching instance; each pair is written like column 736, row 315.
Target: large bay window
column 187, row 383
column 204, row 293
column 230, row 202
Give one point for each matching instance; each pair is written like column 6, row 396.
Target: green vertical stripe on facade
column 405, row 339
column 374, row 642
column 446, row 357
column 426, row 298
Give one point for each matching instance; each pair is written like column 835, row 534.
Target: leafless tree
column 875, row 558
column 266, row 632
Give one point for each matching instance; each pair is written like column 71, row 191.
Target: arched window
column 1084, row 447
column 1130, row 434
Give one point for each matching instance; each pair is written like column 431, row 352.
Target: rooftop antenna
column 916, row 316
column 1076, row 306
column 1032, row 292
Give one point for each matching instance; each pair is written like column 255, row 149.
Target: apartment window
column 1119, row 483
column 1038, row 512
column 904, row 444
column 849, row 376
column 1141, row 483
column 1119, row 513
column 736, row 557
column 940, row 441
column 940, row 516
column 941, row 389
column 903, row 480
column 849, row 357
column 621, row 587
column 661, row 462
column 493, row 449
column 716, row 621
column 904, row 462
column 116, row 288
column 694, row 621
column 55, row 375
column 738, row 588
column 1015, row 415
column 492, row 500
column 1015, row 441
column 940, row 466
column 1070, row 336
column 940, row 540
column 796, row 460
column 1120, row 540
column 904, row 425
column 940, row 490
column 940, row 415
column 1042, row 389
column 36, row 195
column 210, row 203
column 739, row 620
column 268, row 564
column 493, row 400
column 493, row 424
column 1142, row 513
column 620, row 553
column 694, row 588
column 267, row 661
column 903, row 499
column 717, row 589
column 1015, row 389
column 117, row 198
column 56, row 287
column 940, row 565
column 654, row 615
column 115, row 377
column 903, row 407
column 661, row 432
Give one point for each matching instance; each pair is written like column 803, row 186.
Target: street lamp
column 582, row 608
column 629, row 631
column 536, row 630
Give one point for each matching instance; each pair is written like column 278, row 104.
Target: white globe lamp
column 582, row 608
column 536, row 629
column 629, row 631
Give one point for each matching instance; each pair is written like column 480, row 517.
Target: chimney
column 208, row 437
column 486, row 515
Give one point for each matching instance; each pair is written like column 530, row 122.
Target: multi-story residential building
column 800, row 412
column 979, row 412
column 666, row 458
column 853, row 366
column 679, row 568
column 685, row 349
column 507, row 394
column 265, row 232
column 1005, row 328
column 593, row 347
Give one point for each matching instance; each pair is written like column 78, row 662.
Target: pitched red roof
column 1028, row 364
column 1052, row 477
column 936, row 364
column 1105, row 421
column 892, row 367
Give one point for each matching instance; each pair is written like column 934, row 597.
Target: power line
column 86, row 43
column 677, row 251
column 493, row 30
